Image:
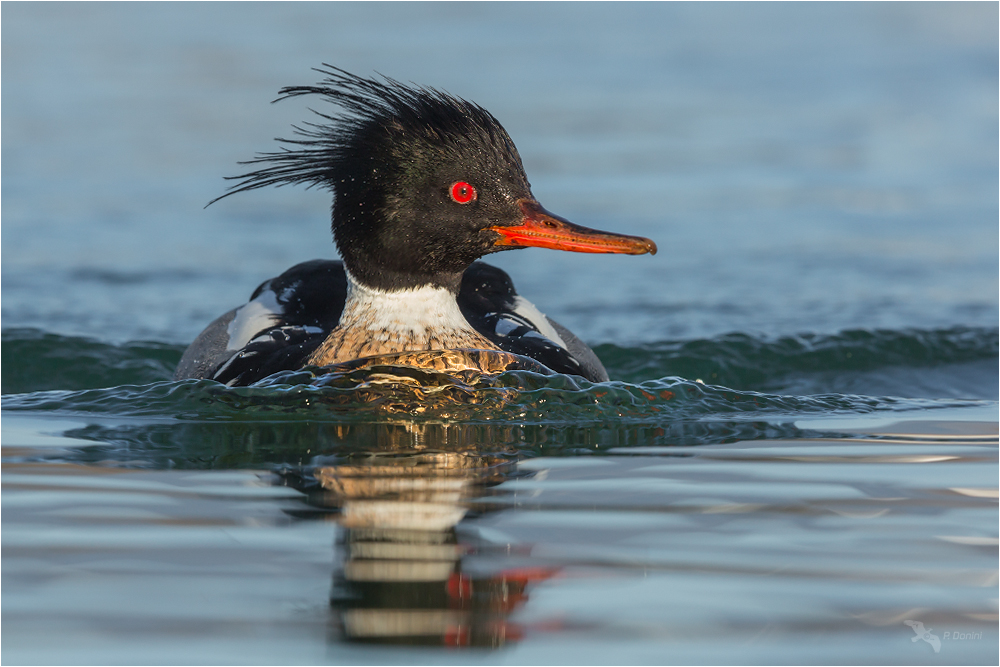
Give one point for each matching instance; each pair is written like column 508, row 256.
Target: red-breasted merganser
column 424, row 185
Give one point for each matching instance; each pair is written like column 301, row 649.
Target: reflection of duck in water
column 425, row 184
column 402, row 579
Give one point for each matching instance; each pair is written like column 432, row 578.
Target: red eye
column 462, row 192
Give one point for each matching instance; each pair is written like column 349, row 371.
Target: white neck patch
column 409, row 312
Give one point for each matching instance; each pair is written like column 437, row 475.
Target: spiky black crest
column 380, row 117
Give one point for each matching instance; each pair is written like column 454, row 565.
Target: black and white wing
column 285, row 320
column 493, row 307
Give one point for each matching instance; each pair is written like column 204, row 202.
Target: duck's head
column 424, row 184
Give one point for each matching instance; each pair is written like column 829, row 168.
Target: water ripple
column 386, row 392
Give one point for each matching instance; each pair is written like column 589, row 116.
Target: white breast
column 402, row 313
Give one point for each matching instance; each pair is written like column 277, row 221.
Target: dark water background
column 797, row 451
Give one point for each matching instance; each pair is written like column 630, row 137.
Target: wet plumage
column 424, row 184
